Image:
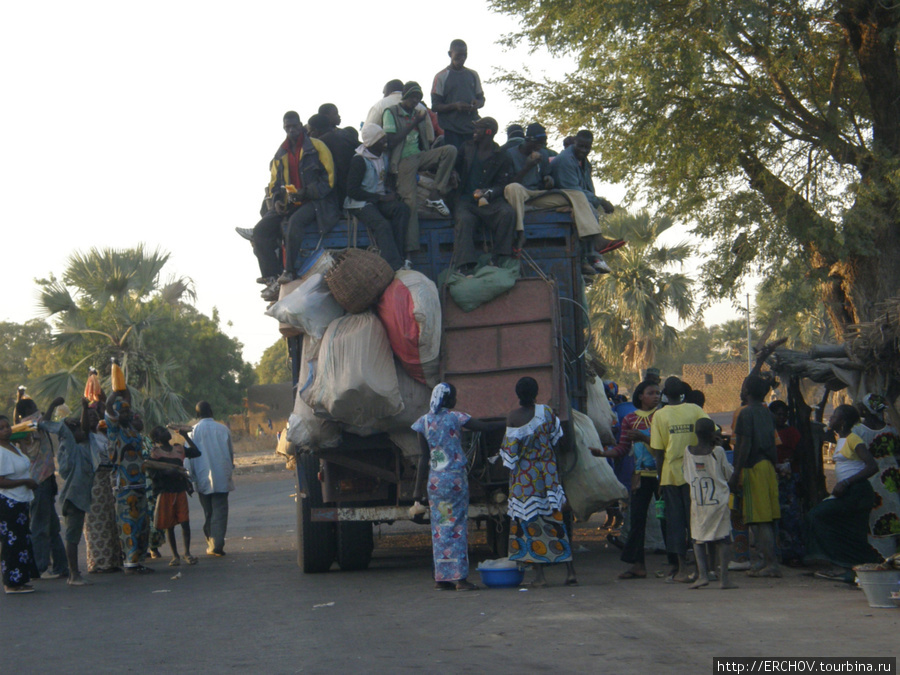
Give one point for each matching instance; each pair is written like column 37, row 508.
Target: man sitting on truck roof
column 369, row 199
column 484, row 171
column 341, row 142
column 410, row 139
column 532, row 186
column 300, row 189
column 571, row 172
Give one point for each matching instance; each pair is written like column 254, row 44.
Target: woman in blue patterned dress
column 440, row 433
column 537, row 533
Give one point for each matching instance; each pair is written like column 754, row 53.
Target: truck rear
column 536, row 328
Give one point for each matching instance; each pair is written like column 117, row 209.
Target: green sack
column 487, row 283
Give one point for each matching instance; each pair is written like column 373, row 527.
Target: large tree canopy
column 773, row 126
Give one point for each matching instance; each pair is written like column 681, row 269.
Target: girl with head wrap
column 883, row 442
column 440, row 435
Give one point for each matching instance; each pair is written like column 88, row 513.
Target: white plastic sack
column 601, row 412
column 415, row 396
column 410, row 309
column 305, row 429
column 589, row 482
column 356, row 380
column 310, row 307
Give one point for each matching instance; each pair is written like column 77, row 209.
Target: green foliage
column 16, row 365
column 203, row 363
column 628, row 306
column 112, row 303
column 773, row 126
column 274, row 366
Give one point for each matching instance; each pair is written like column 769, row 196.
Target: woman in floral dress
column 536, row 497
column 440, row 433
column 16, row 492
column 883, row 442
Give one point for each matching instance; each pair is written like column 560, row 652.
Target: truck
column 539, row 328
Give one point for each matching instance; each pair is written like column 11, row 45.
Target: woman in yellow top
column 838, row 527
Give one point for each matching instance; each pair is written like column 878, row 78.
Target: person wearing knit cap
column 484, row 171
column 456, row 96
column 536, row 185
column 369, row 199
column 410, row 139
column 515, row 136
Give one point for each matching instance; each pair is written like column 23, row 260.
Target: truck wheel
column 355, row 542
column 315, row 541
column 497, row 535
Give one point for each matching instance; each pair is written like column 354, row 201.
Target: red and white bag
column 410, row 310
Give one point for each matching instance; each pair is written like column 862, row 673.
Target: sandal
column 139, row 569
column 463, row 585
column 444, row 586
column 174, row 562
column 190, row 560
column 629, row 574
column 11, row 590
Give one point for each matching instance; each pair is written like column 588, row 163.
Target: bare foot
column 571, row 581
column 534, row 584
column 700, row 583
column 726, row 586
column 682, row 578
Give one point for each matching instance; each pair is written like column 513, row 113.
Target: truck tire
column 355, row 542
column 315, row 541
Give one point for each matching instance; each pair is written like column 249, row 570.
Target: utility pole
column 749, row 347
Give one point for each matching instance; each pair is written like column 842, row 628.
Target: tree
column 774, row 126
column 274, row 366
column 16, row 344
column 692, row 346
column 104, row 306
column 209, row 362
column 628, row 306
column 728, row 341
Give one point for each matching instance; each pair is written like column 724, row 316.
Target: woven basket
column 358, row 279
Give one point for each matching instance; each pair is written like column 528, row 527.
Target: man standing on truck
column 456, row 96
column 300, row 189
column 484, row 171
column 571, row 172
column 212, row 474
column 410, row 137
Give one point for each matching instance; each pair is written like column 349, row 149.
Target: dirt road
column 253, row 611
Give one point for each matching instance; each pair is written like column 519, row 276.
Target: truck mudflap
column 380, row 514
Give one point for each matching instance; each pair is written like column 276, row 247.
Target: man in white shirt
column 212, row 475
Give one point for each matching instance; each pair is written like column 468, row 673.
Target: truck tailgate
column 487, row 350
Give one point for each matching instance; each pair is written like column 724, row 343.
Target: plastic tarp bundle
column 305, row 429
column 319, row 262
column 589, row 482
column 355, row 380
column 488, row 282
column 310, row 308
column 410, row 310
column 601, row 412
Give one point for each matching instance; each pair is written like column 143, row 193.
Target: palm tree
column 101, row 308
column 628, row 306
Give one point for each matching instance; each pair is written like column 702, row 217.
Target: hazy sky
column 133, row 122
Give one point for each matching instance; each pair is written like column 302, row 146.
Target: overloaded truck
column 366, row 474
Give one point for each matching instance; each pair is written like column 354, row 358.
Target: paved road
column 253, row 611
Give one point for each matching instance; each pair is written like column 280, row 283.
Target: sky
column 130, row 122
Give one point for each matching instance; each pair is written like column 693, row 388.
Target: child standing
column 706, row 471
column 171, row 484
